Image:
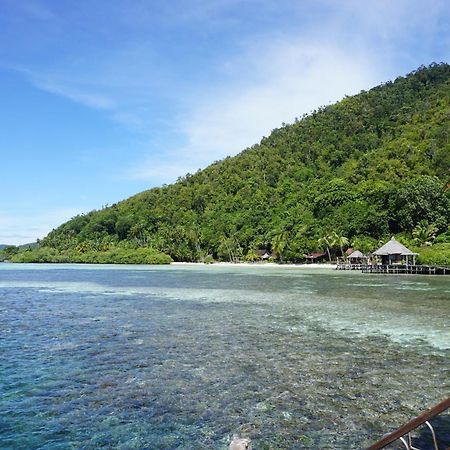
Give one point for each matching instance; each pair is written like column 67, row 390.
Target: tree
column 365, row 244
column 325, row 241
column 424, row 233
column 339, row 241
column 8, row 252
column 365, row 166
column 279, row 243
column 139, row 233
column 421, row 198
column 333, row 240
column 227, row 247
column 251, row 256
column 123, row 226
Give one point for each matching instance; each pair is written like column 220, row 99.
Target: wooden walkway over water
column 396, row 269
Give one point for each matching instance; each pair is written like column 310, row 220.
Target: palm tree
column 251, row 256
column 139, row 233
column 279, row 242
column 424, row 233
column 339, row 241
column 325, row 241
column 226, row 244
column 230, row 246
column 194, row 237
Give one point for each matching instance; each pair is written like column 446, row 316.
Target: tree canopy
column 372, row 164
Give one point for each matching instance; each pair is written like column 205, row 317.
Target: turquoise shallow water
column 103, row 357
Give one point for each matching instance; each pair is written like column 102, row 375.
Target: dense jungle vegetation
column 348, row 174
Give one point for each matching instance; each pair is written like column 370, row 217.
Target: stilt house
column 395, row 253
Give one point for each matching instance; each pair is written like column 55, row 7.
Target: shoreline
column 258, row 265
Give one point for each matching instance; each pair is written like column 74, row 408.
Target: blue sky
column 103, row 99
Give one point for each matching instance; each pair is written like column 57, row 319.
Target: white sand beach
column 262, row 265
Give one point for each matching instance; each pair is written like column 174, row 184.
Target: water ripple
column 182, row 358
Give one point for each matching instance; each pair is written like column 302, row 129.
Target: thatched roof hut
column 395, row 252
column 356, row 255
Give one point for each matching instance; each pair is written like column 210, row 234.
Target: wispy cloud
column 278, row 76
column 293, row 77
column 264, row 78
column 175, row 85
column 76, row 94
column 22, row 228
column 65, row 85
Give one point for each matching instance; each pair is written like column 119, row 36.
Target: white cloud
column 392, row 18
column 62, row 84
column 295, row 78
column 355, row 46
column 23, row 228
column 277, row 76
column 280, row 81
column 76, row 94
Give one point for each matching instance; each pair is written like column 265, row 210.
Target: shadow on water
column 441, row 426
column 422, row 438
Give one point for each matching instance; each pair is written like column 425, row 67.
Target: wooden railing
column 395, row 268
column 412, row 425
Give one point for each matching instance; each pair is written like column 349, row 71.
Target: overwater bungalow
column 395, row 259
column 356, row 257
column 393, row 252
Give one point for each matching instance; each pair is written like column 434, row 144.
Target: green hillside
column 374, row 164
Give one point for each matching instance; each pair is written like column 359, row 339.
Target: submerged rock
column 240, row 444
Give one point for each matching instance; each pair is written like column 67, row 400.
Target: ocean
column 185, row 357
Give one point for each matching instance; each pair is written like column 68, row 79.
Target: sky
column 100, row 100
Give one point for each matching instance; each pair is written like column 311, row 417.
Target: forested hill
column 371, row 165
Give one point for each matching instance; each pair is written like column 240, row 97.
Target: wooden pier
column 396, row 269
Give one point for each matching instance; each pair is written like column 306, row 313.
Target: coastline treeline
column 369, row 166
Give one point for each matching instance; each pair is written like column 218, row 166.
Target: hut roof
column 315, row 255
column 264, row 254
column 393, row 247
column 356, row 254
